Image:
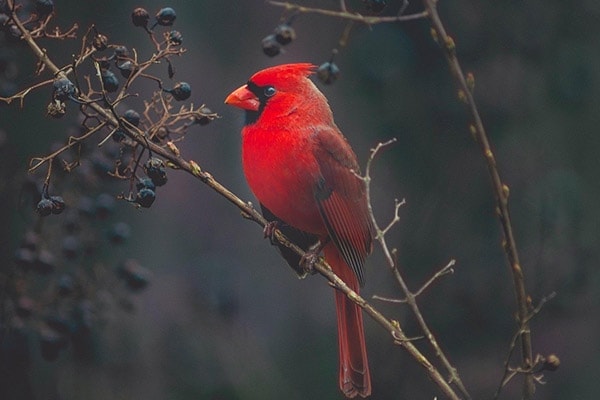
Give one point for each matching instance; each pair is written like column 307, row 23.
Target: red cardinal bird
column 302, row 170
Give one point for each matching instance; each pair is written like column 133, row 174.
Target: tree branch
column 500, row 189
column 345, row 14
column 411, row 298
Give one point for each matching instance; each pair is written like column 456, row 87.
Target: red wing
column 342, row 199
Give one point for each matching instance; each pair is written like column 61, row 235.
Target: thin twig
column 38, row 161
column 410, row 297
column 344, row 14
column 447, row 269
column 509, row 372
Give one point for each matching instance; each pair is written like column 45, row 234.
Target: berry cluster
column 375, row 6
column 282, row 35
column 164, row 17
column 71, row 230
column 50, row 205
column 115, row 69
column 71, row 255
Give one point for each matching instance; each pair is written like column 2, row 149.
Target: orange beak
column 243, row 98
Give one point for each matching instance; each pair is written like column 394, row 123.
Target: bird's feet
column 311, row 257
column 269, row 231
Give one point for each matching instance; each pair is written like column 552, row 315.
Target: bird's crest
column 282, row 73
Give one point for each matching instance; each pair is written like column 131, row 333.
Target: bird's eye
column 269, row 91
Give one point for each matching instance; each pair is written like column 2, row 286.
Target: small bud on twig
column 450, row 46
column 551, row 362
column 470, row 81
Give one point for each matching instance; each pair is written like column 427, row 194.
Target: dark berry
column 136, row 277
column 86, row 206
column 45, row 262
column 58, row 204
column 65, row 285
column 132, row 116
column 24, row 258
column 71, row 223
column 100, row 42
column 3, row 20
column 121, row 52
column 118, row 135
column 140, row 17
column 126, row 69
column 175, row 38
column 145, row 183
column 51, row 343
column 110, row 81
column 105, row 205
column 44, row 8
column 84, row 314
column 145, row 197
column 328, row 72
column 63, row 89
column 104, row 63
column 44, row 207
column 58, row 324
column 71, row 247
column 156, row 170
column 284, row 34
column 13, row 31
column 181, row 91
column 375, row 6
column 166, row 16
column 25, row 306
column 30, row 240
column 119, row 233
column 271, row 46
column 206, row 116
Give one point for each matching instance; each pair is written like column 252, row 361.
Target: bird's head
column 283, row 88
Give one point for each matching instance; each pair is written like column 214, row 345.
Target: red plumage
column 302, row 170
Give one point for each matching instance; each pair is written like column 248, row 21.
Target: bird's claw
column 269, row 231
column 310, row 258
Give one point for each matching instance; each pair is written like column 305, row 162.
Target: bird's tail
column 355, row 378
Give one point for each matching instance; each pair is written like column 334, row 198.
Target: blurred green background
column 223, row 317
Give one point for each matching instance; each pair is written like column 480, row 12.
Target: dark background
column 223, row 317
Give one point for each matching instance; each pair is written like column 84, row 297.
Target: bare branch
column 447, row 269
column 410, row 298
column 510, row 372
column 345, row 14
column 21, row 95
column 396, row 218
column 39, row 161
